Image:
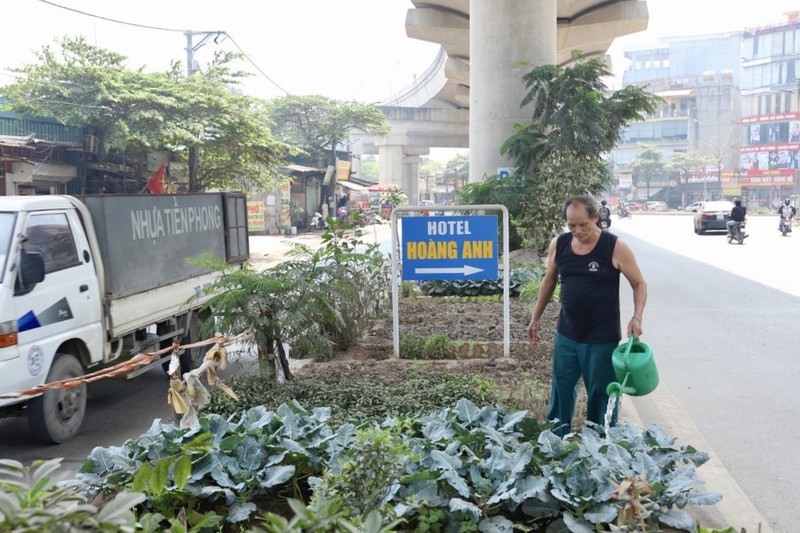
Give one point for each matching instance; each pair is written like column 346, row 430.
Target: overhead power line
column 175, row 30
column 116, row 21
column 256, row 66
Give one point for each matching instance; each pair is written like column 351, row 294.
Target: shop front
column 24, row 178
column 769, row 162
column 767, row 191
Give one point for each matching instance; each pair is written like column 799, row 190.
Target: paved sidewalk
column 269, row 250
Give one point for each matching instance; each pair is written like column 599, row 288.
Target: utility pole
column 190, row 50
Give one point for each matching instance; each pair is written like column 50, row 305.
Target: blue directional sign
column 451, row 247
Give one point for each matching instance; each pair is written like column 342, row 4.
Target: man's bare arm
column 546, row 289
column 625, row 262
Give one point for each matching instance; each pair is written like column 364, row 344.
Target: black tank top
column 589, row 291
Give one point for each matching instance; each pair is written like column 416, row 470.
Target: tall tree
column 370, row 168
column 688, row 164
column 647, row 166
column 575, row 122
column 430, row 171
column 320, row 126
column 457, row 170
column 137, row 112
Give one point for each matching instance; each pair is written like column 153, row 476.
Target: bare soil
column 476, row 331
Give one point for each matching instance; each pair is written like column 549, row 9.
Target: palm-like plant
column 395, row 198
column 575, row 121
column 314, row 302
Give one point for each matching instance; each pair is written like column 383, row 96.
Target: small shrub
column 323, row 515
column 456, row 346
column 437, row 347
column 317, row 347
column 530, row 291
column 32, row 500
column 407, row 289
column 412, row 346
column 367, row 477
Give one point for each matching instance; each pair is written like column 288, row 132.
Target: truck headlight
column 8, row 333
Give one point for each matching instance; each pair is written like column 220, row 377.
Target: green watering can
column 635, row 369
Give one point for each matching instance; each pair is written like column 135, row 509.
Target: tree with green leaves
column 457, row 170
column 688, row 163
column 575, row 122
column 319, row 125
column 647, row 166
column 430, row 171
column 370, row 168
column 395, row 198
column 135, row 112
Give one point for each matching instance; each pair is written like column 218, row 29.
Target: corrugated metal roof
column 352, row 186
column 17, row 125
column 301, row 168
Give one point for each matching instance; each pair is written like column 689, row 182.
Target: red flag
column 156, row 185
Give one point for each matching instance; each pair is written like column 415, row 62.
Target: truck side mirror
column 31, row 268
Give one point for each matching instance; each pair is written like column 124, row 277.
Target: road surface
column 722, row 320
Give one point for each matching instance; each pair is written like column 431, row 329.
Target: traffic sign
column 450, row 247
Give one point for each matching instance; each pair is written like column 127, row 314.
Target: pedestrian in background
column 587, row 262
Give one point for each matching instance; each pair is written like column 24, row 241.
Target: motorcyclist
column 786, row 209
column 623, row 209
column 605, row 215
column 737, row 216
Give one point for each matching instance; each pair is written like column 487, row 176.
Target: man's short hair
column 585, row 200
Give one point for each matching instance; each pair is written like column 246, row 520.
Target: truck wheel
column 191, row 359
column 56, row 415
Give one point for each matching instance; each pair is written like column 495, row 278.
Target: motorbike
column 785, row 225
column 317, row 221
column 624, row 213
column 602, row 224
column 736, row 232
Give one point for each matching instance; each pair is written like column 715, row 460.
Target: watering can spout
column 635, row 369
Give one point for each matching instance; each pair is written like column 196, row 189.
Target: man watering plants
column 587, row 262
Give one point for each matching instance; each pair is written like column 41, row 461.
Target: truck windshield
column 6, row 231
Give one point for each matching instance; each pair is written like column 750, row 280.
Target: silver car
column 656, row 206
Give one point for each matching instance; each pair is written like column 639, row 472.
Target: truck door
column 66, row 304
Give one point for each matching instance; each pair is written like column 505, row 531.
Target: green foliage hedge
column 488, row 468
column 360, row 399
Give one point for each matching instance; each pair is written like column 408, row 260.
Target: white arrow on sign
column 466, row 270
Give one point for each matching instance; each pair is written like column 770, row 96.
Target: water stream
column 614, row 402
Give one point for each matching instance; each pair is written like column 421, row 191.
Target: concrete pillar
column 503, row 33
column 411, row 178
column 390, row 161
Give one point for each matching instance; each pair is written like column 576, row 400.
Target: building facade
column 699, row 112
column 770, row 122
column 738, row 107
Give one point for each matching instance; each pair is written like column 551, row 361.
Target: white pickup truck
column 90, row 281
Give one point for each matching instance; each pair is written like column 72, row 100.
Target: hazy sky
column 346, row 49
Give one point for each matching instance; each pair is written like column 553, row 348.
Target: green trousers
column 571, row 361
